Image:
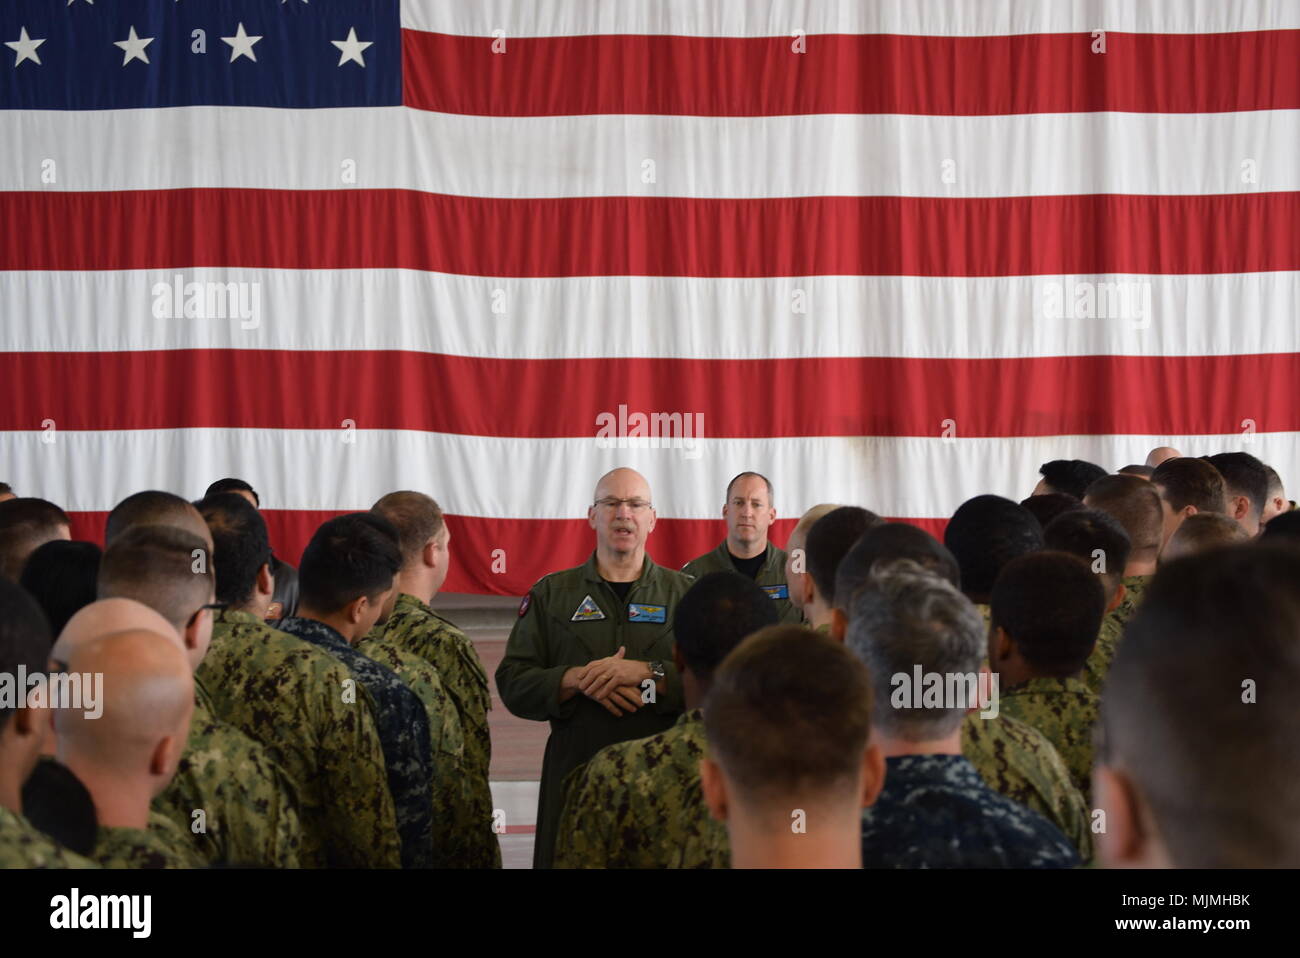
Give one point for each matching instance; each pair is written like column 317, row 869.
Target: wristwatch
column 657, row 670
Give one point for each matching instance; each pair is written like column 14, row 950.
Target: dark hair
column 56, row 802
column 757, row 475
column 1275, row 487
column 151, row 507
column 240, row 545
column 1070, row 476
column 718, row 611
column 1050, row 605
column 416, row 517
column 348, row 557
column 25, row 640
column 5, row 489
column 829, row 540
column 1243, row 475
column 1185, row 481
column 1135, row 504
column 1085, row 533
column 164, row 567
column 233, row 485
column 984, row 534
column 1201, row 698
column 1283, row 527
column 24, row 524
column 887, row 542
column 1137, row 469
column 1047, row 506
column 61, row 576
column 789, row 710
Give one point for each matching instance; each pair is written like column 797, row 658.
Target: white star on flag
column 25, row 47
column 352, row 48
column 133, row 47
column 241, row 45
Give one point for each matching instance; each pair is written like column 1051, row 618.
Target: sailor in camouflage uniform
column 290, row 696
column 591, row 651
column 1046, row 613
column 638, row 804
column 415, row 628
column 345, row 578
column 749, row 515
column 25, row 644
column 935, row 810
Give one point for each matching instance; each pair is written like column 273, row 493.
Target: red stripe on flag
column 621, row 236
column 849, row 396
column 530, row 548
column 872, row 73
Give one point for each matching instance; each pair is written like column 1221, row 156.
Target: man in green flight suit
column 749, row 514
column 592, row 649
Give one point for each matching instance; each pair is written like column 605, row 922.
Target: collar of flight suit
column 649, row 572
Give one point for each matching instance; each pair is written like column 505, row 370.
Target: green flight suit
column 568, row 619
column 771, row 576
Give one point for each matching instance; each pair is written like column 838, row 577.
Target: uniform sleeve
column 529, row 684
column 362, row 821
column 585, row 836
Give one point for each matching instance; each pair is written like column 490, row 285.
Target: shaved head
column 1160, row 453
column 622, row 483
column 148, row 700
column 106, row 617
column 155, row 508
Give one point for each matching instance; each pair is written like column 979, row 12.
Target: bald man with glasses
column 592, row 649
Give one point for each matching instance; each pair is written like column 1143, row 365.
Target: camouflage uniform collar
column 202, row 697
column 240, row 617
column 410, row 603
column 690, row 718
column 955, row 770
column 1047, row 684
column 315, row 630
column 591, row 571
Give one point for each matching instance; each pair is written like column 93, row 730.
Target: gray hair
column 904, row 616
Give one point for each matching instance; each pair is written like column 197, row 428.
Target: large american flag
column 894, row 254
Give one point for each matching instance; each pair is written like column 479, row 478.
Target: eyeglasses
column 217, row 607
column 636, row 505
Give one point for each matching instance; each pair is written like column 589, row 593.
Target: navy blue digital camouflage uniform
column 936, row 812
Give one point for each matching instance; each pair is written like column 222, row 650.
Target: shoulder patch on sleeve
column 523, row 606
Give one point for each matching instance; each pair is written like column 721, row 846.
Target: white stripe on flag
column 692, row 156
column 919, row 477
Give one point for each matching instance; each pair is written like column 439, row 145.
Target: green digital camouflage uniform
column 1135, row 587
column 416, row 628
column 1102, row 654
column 161, row 845
column 771, row 576
column 568, row 619
column 288, row 695
column 249, row 803
column 639, row 805
column 450, row 813
column 23, row 845
column 1019, row 762
column 1065, row 710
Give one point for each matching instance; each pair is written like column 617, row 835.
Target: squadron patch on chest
column 636, row 612
column 777, row 591
column 587, row 611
